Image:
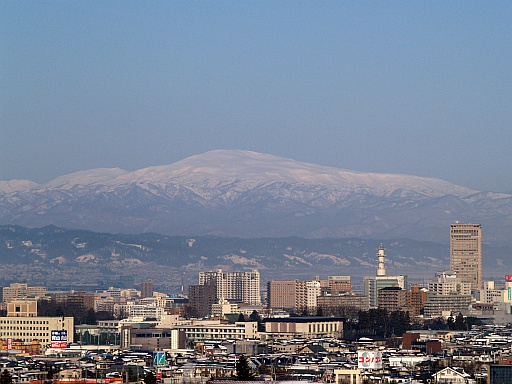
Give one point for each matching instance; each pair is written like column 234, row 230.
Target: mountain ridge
column 251, row 165
column 59, row 257
column 249, row 194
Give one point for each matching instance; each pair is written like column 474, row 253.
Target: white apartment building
column 446, row 282
column 21, row 291
column 306, row 293
column 234, row 286
column 139, row 311
column 447, row 295
column 224, row 307
column 489, row 294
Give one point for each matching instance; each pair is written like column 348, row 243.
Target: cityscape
column 455, row 328
column 234, row 192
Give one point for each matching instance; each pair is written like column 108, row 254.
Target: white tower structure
column 372, row 284
column 381, row 255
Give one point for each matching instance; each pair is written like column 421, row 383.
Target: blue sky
column 396, row 87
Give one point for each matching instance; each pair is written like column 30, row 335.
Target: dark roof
column 315, row 348
column 232, row 318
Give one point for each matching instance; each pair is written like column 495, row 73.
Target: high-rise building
column 306, row 293
column 201, row 299
column 281, row 294
column 392, row 299
column 146, row 289
column 293, row 294
column 234, row 286
column 466, row 253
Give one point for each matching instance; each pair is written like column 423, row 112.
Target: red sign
column 508, row 278
column 369, row 360
column 59, row 344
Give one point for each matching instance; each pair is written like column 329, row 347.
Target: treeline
column 384, row 323
column 457, row 323
column 80, row 314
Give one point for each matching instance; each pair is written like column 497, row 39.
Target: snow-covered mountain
column 249, row 194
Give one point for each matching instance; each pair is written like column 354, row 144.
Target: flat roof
column 304, row 319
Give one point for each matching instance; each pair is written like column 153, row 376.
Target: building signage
column 369, row 360
column 59, row 339
column 508, row 278
column 159, row 358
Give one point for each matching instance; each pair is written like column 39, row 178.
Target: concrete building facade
column 234, row 286
column 314, row 326
column 466, row 253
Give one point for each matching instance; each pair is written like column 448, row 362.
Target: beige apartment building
column 466, row 253
column 22, row 323
column 21, row 291
column 234, row 286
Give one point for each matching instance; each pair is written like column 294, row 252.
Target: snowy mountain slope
column 249, row 194
column 225, row 168
column 16, row 185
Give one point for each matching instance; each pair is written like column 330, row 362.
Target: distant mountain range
column 248, row 194
column 77, row 259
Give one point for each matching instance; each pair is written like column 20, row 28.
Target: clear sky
column 423, row 88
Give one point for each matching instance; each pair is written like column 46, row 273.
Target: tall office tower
column 146, row 289
column 466, row 253
column 238, row 286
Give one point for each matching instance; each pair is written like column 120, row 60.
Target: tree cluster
column 243, row 370
column 457, row 323
column 348, row 312
column 80, row 314
column 382, row 323
column 5, row 377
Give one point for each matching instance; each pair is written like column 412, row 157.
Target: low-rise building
column 329, row 301
column 347, row 376
column 309, row 326
column 201, row 331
